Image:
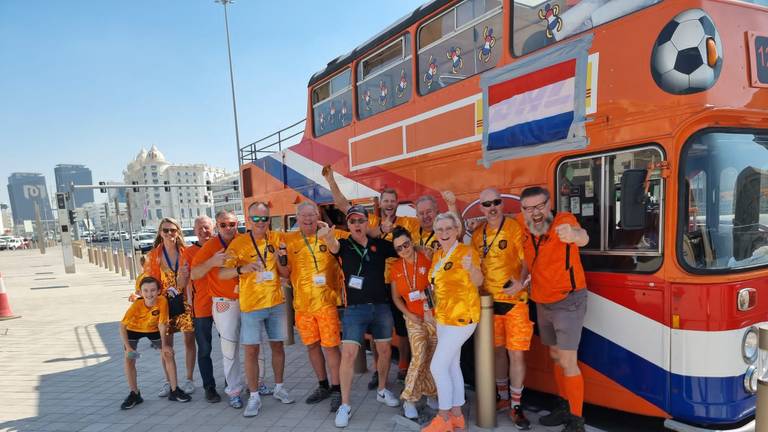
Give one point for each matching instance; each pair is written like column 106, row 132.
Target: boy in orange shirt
column 148, row 317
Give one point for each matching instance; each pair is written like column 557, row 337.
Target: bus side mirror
column 633, row 199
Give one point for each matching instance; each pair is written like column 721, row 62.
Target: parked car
column 143, row 241
column 4, row 242
column 189, row 235
column 14, row 243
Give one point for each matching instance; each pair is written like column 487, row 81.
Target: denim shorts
column 373, row 318
column 274, row 319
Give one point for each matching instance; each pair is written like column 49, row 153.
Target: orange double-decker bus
column 648, row 120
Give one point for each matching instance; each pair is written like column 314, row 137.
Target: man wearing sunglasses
column 252, row 257
column 366, row 305
column 498, row 241
column 225, row 308
column 558, row 286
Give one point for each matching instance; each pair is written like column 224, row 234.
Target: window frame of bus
column 331, row 95
column 512, row 28
column 605, row 250
column 406, row 54
column 456, row 30
column 681, row 201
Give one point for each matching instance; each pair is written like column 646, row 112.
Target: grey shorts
column 560, row 323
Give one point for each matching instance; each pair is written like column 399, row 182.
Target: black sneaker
column 178, row 395
column 131, row 401
column 517, row 416
column 575, row 424
column 211, row 395
column 374, row 382
column 335, row 400
column 560, row 414
column 320, row 393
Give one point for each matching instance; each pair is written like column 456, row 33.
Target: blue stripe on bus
column 539, row 131
column 295, row 180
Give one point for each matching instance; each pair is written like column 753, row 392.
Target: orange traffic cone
column 5, row 307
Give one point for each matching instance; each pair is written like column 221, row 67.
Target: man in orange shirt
column 201, row 308
column 498, row 241
column 225, row 306
column 558, row 286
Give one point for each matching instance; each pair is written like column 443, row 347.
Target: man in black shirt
column 365, row 296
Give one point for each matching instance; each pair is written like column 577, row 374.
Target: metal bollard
column 288, row 293
column 129, row 264
column 122, row 264
column 116, row 260
column 107, row 259
column 485, row 383
column 97, row 257
column 761, row 406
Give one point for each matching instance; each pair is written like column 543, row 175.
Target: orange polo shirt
column 501, row 256
column 216, row 287
column 201, row 297
column 553, row 273
column 457, row 299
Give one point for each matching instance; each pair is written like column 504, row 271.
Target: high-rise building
column 77, row 174
column 24, row 190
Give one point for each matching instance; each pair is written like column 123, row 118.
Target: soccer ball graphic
column 679, row 60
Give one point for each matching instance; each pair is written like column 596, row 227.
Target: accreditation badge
column 356, row 282
column 414, row 296
column 318, row 279
column 267, row 276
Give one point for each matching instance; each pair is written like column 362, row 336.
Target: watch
column 238, row 270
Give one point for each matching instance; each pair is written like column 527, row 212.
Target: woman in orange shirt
column 168, row 263
column 409, row 280
column 455, row 276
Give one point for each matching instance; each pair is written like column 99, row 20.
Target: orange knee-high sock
column 574, row 390
column 560, row 380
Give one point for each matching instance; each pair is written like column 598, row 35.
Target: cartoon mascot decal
column 383, row 93
column 456, row 61
column 400, row 90
column 429, row 77
column 550, row 14
column 488, row 42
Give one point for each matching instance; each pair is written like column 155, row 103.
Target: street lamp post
column 231, row 79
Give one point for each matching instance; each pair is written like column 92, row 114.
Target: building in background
column 6, row 221
column 24, row 190
column 226, row 195
column 149, row 206
column 93, row 217
column 74, row 174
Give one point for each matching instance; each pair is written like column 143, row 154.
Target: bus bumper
column 683, row 427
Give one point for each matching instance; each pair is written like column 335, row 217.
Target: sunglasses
column 539, row 207
column 357, row 221
column 404, row 246
column 227, row 225
column 260, row 218
column 169, row 230
column 496, row 202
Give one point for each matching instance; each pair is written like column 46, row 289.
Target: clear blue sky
column 91, row 82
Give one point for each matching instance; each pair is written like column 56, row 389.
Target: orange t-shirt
column 156, row 267
column 201, row 296
column 501, row 256
column 216, row 287
column 141, row 318
column 403, row 275
column 257, row 291
column 457, row 299
column 553, row 273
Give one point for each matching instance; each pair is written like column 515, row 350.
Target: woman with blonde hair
column 455, row 276
column 168, row 263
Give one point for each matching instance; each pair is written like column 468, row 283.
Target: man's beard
column 544, row 228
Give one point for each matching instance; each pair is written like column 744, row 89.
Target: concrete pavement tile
column 96, row 427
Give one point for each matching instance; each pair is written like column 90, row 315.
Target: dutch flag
column 532, row 109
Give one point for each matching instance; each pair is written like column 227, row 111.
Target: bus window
column 332, row 103
column 459, row 43
column 590, row 188
column 537, row 23
column 384, row 79
column 724, row 205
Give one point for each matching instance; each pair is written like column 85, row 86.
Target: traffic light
column 102, row 190
column 236, row 185
column 135, row 189
column 167, row 188
column 61, row 202
column 71, row 217
column 208, row 185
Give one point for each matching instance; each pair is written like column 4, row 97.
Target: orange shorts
column 322, row 325
column 513, row 330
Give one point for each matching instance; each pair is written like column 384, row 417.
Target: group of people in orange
column 415, row 275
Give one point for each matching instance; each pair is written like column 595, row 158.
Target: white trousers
column 445, row 366
column 226, row 316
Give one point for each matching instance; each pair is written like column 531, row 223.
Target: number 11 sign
column 758, row 59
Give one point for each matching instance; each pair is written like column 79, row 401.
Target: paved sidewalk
column 61, row 365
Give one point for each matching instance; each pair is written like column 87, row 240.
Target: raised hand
column 449, row 197
column 565, row 233
column 217, row 260
column 324, row 229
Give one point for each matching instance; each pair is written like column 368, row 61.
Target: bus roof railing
column 272, row 143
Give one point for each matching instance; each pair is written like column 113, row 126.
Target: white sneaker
column 386, row 397
column 253, row 407
column 165, row 390
column 188, row 386
column 342, row 416
column 432, row 403
column 409, row 410
column 283, row 396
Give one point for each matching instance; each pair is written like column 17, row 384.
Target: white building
column 93, row 217
column 149, row 206
column 226, row 194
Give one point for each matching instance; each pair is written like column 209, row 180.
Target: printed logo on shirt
column 502, row 244
column 373, row 248
column 323, row 248
column 448, row 265
column 155, row 312
column 271, row 249
column 435, row 244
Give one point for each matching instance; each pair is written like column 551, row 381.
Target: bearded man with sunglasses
column 498, row 241
column 253, row 258
column 225, row 309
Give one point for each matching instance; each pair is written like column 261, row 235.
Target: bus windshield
column 724, row 200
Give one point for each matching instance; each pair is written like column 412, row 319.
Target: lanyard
column 174, row 268
column 311, row 250
column 263, row 259
column 405, row 271
column 487, row 247
column 223, row 243
column 423, row 242
column 362, row 255
column 439, row 265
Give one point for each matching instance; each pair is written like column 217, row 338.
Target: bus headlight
column 750, row 380
column 749, row 346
